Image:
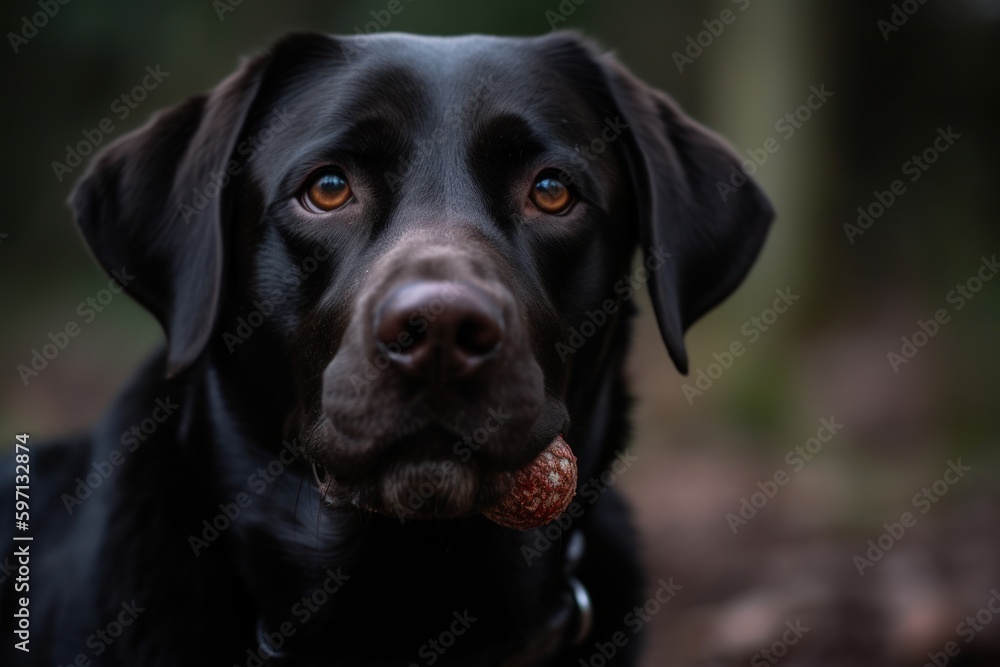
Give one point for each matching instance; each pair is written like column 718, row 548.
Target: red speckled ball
column 542, row 490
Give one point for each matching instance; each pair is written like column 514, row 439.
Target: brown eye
column 551, row 195
column 326, row 192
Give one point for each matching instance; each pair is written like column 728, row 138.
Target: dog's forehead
column 435, row 94
column 455, row 76
column 406, row 45
column 443, row 57
column 412, row 78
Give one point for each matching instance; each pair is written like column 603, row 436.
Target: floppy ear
column 687, row 206
column 149, row 207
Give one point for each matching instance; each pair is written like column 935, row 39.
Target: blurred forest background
column 788, row 558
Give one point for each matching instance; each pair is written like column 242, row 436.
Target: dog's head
column 420, row 244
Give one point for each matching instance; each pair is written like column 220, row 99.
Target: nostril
column 395, row 330
column 478, row 335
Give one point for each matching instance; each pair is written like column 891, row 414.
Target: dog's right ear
column 150, row 206
column 147, row 210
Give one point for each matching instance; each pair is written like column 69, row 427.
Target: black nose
column 438, row 331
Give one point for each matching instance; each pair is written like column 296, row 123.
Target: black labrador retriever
column 391, row 270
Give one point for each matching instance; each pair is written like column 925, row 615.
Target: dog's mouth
column 410, row 486
column 429, row 474
column 430, row 489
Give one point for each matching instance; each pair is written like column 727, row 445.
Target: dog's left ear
column 688, row 206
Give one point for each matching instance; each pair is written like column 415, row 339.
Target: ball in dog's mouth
column 530, row 497
column 540, row 491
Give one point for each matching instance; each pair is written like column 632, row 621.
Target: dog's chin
column 444, row 489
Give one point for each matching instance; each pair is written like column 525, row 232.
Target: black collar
column 569, row 625
column 571, row 622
